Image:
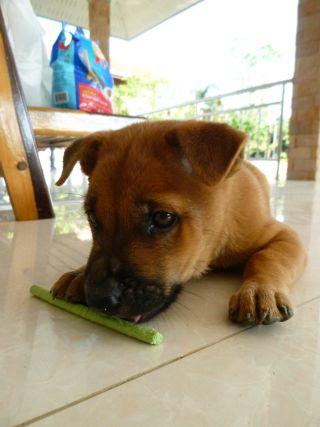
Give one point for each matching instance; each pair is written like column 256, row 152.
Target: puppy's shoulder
column 254, row 176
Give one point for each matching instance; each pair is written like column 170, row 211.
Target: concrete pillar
column 99, row 24
column 304, row 150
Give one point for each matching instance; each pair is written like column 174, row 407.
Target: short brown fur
column 196, row 171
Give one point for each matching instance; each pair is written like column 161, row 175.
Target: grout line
column 308, row 301
column 127, row 380
column 141, row 374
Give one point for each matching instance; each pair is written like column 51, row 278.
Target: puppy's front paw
column 254, row 304
column 70, row 287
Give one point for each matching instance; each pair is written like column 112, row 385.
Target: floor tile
column 52, row 358
column 266, row 376
column 49, row 358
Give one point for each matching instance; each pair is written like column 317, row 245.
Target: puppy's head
column 150, row 209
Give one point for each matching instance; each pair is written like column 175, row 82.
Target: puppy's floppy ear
column 84, row 150
column 210, row 151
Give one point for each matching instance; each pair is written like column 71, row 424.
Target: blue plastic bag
column 81, row 76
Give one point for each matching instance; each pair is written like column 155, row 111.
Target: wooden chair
column 19, row 161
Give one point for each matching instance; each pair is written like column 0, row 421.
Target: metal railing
column 263, row 112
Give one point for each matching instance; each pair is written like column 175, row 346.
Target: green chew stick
column 150, row 336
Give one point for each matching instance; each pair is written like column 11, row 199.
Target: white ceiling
column 129, row 18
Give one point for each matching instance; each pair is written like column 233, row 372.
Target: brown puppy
column 167, row 201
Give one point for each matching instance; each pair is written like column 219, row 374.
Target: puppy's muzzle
column 127, row 297
column 105, row 296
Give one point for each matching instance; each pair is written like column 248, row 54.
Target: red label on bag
column 93, row 100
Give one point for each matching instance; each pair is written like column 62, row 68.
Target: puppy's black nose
column 105, row 296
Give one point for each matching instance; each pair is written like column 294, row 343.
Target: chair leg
column 19, row 159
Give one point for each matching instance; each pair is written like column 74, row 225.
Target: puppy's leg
column 264, row 294
column 70, row 286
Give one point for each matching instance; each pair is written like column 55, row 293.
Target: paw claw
column 270, row 320
column 254, row 305
column 286, row 312
column 249, row 319
column 263, row 316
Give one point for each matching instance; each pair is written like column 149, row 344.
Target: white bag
column 25, row 34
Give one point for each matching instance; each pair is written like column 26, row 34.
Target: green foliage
column 187, row 111
column 264, row 53
column 261, row 144
column 63, row 213
column 143, row 91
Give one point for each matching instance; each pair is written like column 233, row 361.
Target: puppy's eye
column 162, row 221
column 92, row 219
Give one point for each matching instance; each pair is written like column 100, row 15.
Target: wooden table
column 58, row 126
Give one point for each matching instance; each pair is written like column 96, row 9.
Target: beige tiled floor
column 58, row 370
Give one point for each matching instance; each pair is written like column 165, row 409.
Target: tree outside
column 145, row 93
